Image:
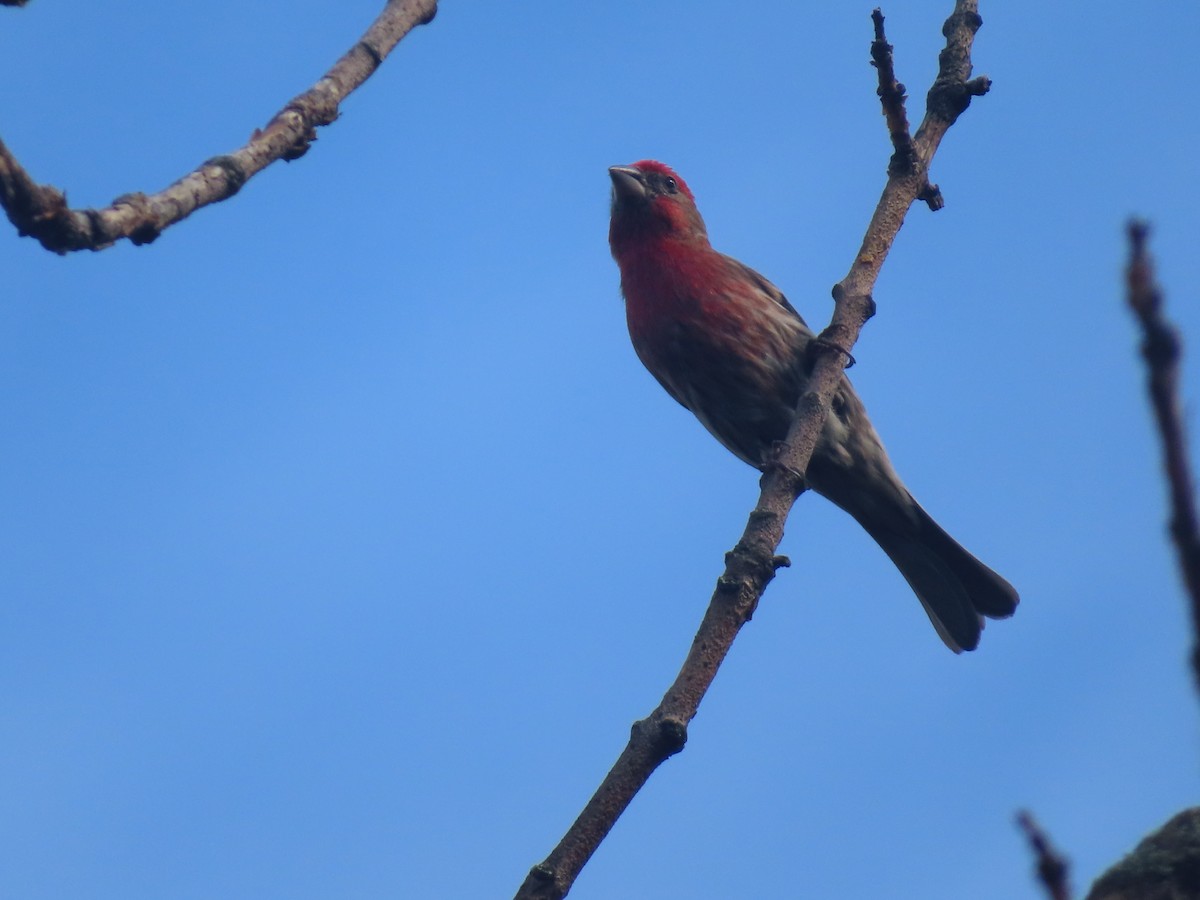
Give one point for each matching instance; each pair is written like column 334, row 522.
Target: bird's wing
column 769, row 289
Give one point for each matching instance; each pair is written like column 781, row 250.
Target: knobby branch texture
column 41, row 211
column 1051, row 866
column 1161, row 349
column 892, row 95
column 752, row 563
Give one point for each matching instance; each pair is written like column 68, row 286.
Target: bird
column 726, row 343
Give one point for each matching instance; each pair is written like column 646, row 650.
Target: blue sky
column 345, row 536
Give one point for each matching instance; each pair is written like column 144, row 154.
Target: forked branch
column 750, row 566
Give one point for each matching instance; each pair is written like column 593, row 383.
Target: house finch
column 727, row 345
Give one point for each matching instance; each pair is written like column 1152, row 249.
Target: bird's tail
column 956, row 589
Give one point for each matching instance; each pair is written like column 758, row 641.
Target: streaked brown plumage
column 727, row 345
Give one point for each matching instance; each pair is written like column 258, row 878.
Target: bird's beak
column 628, row 183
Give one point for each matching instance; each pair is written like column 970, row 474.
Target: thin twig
column 751, row 565
column 1161, row 349
column 1052, row 867
column 892, row 96
column 41, row 211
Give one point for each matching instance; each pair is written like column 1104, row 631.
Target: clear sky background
column 344, row 536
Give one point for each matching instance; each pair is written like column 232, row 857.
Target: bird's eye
column 671, row 185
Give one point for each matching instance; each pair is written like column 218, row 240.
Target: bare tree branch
column 1161, row 349
column 41, row 211
column 1052, row 867
column 752, row 563
column 892, row 95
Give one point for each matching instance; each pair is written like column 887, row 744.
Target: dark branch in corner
column 41, row 211
column 1052, row 867
column 1163, row 866
column 1161, row 349
column 751, row 565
